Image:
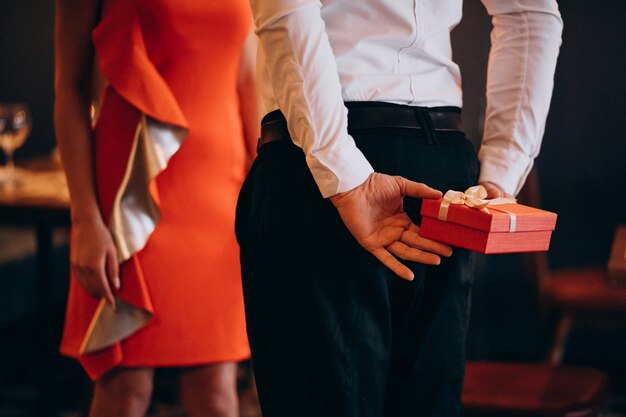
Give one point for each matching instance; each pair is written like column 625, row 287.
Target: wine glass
column 15, row 125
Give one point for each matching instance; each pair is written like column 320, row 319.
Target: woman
column 153, row 189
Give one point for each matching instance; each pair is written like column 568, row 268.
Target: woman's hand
column 373, row 212
column 93, row 258
column 93, row 255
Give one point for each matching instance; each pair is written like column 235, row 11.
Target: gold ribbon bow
column 474, row 197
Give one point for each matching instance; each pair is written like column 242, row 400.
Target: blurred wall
column 583, row 161
column 582, row 164
column 582, row 170
column 26, row 66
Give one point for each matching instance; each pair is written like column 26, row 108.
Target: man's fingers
column 392, row 263
column 493, row 191
column 414, row 240
column 417, row 189
column 407, row 253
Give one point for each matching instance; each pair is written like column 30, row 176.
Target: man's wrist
column 493, row 190
column 336, row 198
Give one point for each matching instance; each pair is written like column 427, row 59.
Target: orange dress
column 171, row 68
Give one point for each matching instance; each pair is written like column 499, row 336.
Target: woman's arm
column 249, row 107
column 93, row 254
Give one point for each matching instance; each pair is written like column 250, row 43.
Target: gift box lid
column 495, row 218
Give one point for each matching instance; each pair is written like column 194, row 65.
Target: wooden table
column 40, row 201
column 41, row 195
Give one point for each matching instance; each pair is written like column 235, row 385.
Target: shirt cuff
column 506, row 169
column 340, row 168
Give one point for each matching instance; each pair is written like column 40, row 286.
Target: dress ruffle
column 126, row 65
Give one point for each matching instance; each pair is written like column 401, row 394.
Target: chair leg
column 563, row 328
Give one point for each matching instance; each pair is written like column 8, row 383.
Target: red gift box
column 501, row 228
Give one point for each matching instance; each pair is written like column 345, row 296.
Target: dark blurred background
column 582, row 177
column 582, row 172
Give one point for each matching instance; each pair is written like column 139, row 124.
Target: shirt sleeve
column 525, row 43
column 306, row 86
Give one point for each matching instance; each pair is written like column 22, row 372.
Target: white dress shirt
column 314, row 56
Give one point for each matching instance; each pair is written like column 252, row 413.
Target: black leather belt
column 364, row 115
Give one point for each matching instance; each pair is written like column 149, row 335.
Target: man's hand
column 493, row 191
column 374, row 214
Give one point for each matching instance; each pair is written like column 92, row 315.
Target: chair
column 581, row 296
column 538, row 389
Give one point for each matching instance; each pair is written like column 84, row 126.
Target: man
column 364, row 109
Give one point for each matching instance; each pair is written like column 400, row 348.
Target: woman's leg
column 123, row 392
column 210, row 391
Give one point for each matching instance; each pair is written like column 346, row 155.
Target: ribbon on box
column 474, row 197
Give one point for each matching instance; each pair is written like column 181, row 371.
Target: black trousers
column 332, row 331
